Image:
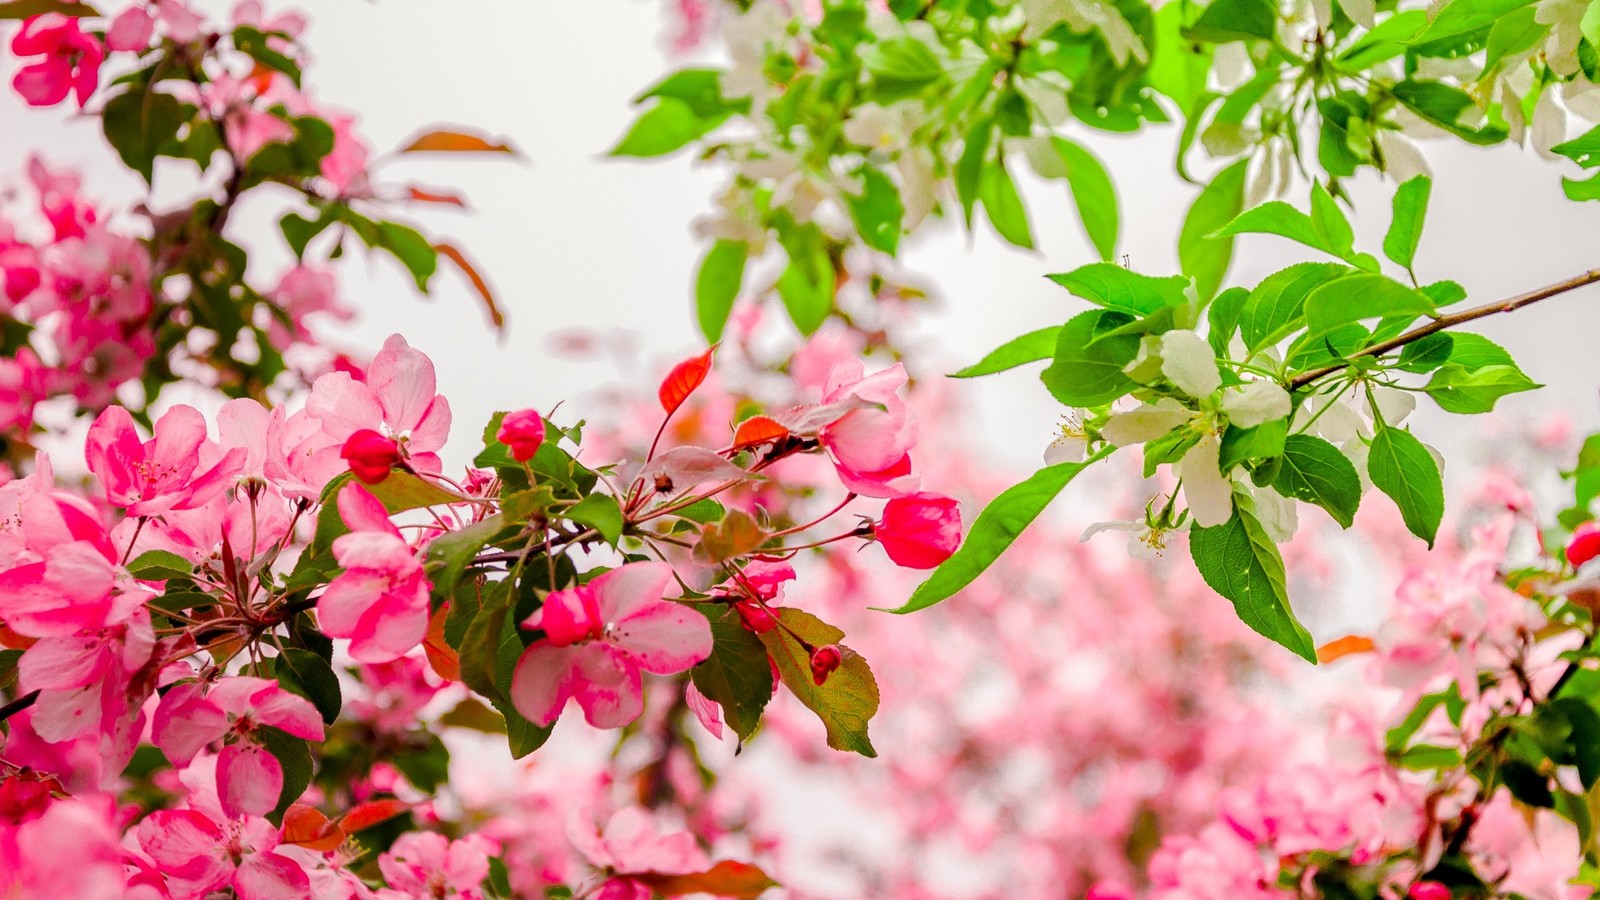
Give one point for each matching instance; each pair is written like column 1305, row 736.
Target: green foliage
column 736, row 675
column 1241, row 563
column 1402, row 467
column 847, row 701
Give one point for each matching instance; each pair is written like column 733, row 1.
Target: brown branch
column 1511, row 304
column 18, row 705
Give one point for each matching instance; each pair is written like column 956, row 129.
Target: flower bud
column 1584, row 544
column 371, row 455
column 919, row 531
column 824, row 660
column 1428, row 890
column 523, row 432
column 756, row 618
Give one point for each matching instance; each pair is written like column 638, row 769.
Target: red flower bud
column 824, row 660
column 371, row 455
column 523, row 432
column 1585, row 543
column 1428, row 890
column 755, row 617
column 919, row 531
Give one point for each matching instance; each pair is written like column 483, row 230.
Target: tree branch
column 1510, row 304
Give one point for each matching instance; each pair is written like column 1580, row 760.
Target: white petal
column 1208, row 492
column 1189, row 362
column 1279, row 515
column 1146, row 423
column 1065, row 449
column 1255, row 403
column 1549, row 124
column 1395, row 405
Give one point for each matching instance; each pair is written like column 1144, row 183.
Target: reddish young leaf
column 725, row 879
column 479, row 283
column 369, row 814
column 444, row 140
column 431, row 195
column 683, row 379
column 441, row 656
column 1338, row 648
column 307, row 827
column 758, row 430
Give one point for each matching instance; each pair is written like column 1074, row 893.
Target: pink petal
column 627, row 588
column 249, row 780
column 432, row 429
column 68, row 715
column 403, row 380
column 270, row 876
column 186, row 722
column 542, row 683
column 706, row 710
column 343, row 406
column 130, row 30
column 186, row 844
column 392, row 627
column 362, row 511
column 178, row 436
column 62, row 663
column 566, row 618
column 289, row 713
column 375, row 551
column 606, row 683
column 664, row 637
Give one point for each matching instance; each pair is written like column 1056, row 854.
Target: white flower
column 1255, row 403
column 1208, row 492
column 881, row 127
column 1549, row 124
column 1146, row 423
column 1364, row 12
column 1145, row 541
column 1565, row 18
column 1188, row 361
column 1082, row 15
column 1070, row 445
column 748, row 36
column 1402, row 158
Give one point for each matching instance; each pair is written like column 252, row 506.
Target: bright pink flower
column 398, row 398
column 380, row 600
column 1428, row 890
column 248, row 124
column 631, row 845
column 200, row 854
column 249, row 779
column 871, row 445
column 1584, row 544
column 706, row 710
column 523, row 432
column 597, row 639
column 177, row 469
column 371, row 455
column 69, row 849
column 825, row 660
column 425, row 864
column 71, row 62
column 921, row 530
column 62, row 577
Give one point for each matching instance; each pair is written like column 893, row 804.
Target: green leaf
column 877, row 210
column 1115, row 288
column 479, row 647
column 451, row 553
column 600, row 512
column 309, row 675
column 137, row 123
column 159, row 565
column 1463, row 348
column 522, row 736
column 412, row 250
column 667, row 126
column 996, row 528
column 1364, row 295
column 716, row 287
column 1201, row 254
column 1031, row 347
column 1449, row 108
column 1584, row 150
column 903, row 61
column 1093, row 194
column 1460, row 389
column 1319, row 233
column 807, row 283
column 736, row 675
column 1276, row 308
column 847, row 701
column 1462, row 16
column 1424, row 757
column 1384, row 42
column 1004, row 205
column 1264, row 441
column 1403, row 468
column 251, row 42
column 1222, row 318
column 399, row 492
column 1088, row 364
column 1240, row 562
column 427, row 764
column 1315, row 471
column 294, row 756
column 1330, row 221
column 1236, row 20
column 1405, row 229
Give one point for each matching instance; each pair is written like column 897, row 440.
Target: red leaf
column 307, row 827
column 1338, row 648
column 441, row 656
column 428, row 195
column 443, row 140
column 683, row 379
column 479, row 283
column 758, row 430
column 369, row 814
column 725, row 879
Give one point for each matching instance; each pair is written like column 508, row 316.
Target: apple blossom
column 919, row 530
column 71, row 62
column 380, row 600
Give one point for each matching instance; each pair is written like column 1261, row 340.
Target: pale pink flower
column 871, row 446
column 597, row 639
column 177, row 469
column 630, row 845
column 345, row 168
column 398, row 398
column 130, row 31
column 71, row 62
column 425, row 864
column 200, row 853
column 301, row 293
column 70, row 849
column 380, row 600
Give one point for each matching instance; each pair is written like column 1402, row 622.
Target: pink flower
column 301, row 293
column 871, row 445
column 380, row 601
column 825, row 660
column 1428, row 890
column 71, row 62
column 371, row 455
column 345, row 167
column 523, row 432
column 130, row 31
column 69, row 849
column 200, row 854
column 921, row 530
column 177, row 469
column 249, row 778
column 398, row 398
column 425, row 864
column 597, row 639
column 631, row 845
column 1584, row 544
